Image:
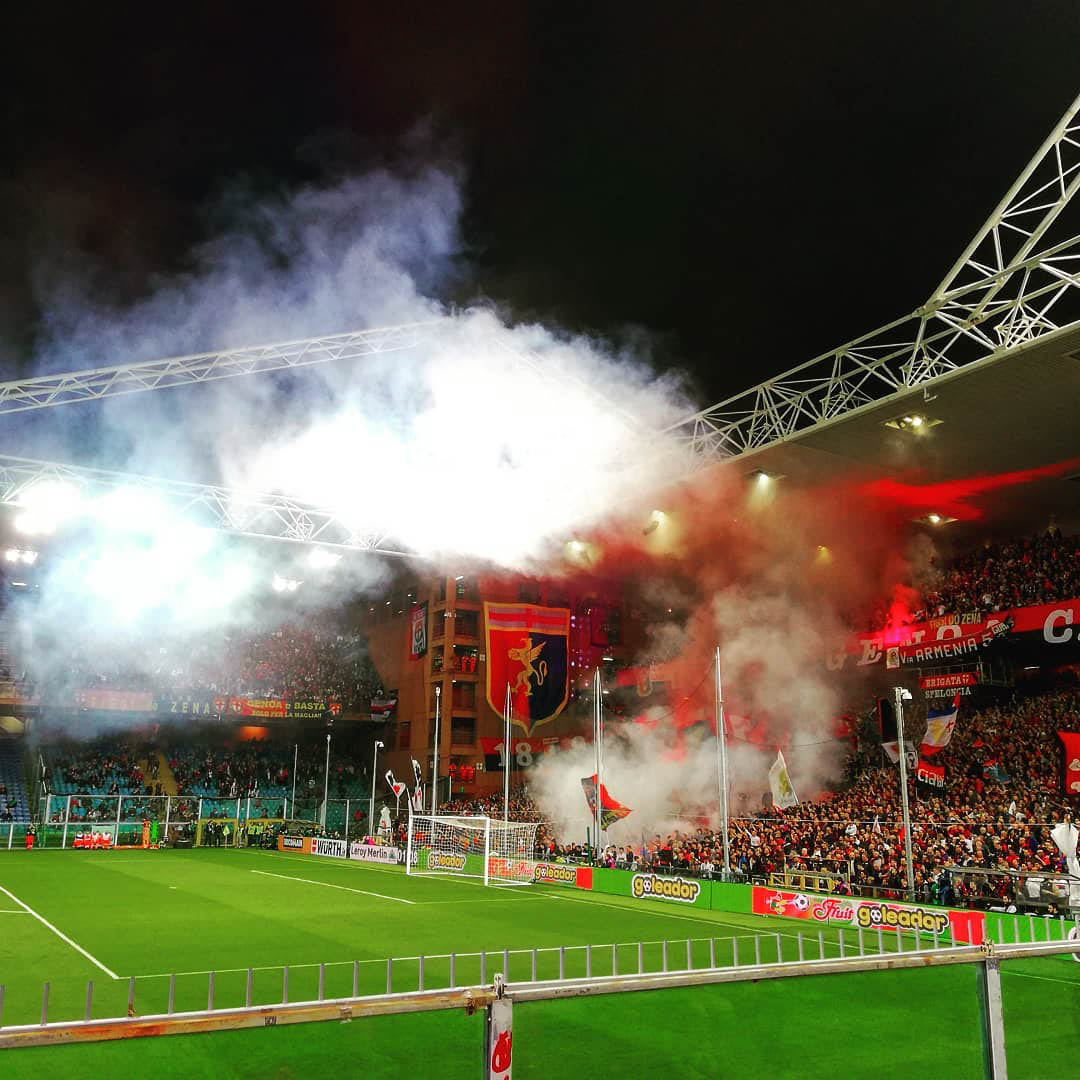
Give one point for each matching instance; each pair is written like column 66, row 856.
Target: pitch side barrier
column 499, row 997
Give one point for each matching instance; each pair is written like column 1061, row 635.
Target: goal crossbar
column 445, row 845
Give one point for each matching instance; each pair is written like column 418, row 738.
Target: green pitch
column 119, row 914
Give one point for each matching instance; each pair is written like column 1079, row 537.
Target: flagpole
column 722, row 768
column 900, row 692
column 598, row 741
column 506, row 766
column 435, row 758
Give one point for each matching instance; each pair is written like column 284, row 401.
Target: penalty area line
column 62, row 936
column 330, row 885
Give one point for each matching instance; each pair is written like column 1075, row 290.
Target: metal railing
column 503, row 977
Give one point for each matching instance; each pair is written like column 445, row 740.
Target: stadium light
column 374, row 772
column 912, row 423
column 281, row 584
column 321, row 559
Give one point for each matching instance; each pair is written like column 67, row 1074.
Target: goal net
column 500, row 852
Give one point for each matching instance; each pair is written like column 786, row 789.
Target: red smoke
column 948, row 497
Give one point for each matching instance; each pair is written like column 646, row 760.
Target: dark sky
column 749, row 183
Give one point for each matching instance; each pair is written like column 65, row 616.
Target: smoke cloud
column 493, row 442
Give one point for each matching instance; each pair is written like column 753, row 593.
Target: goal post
column 499, row 852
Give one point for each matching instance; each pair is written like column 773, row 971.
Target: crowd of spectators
column 307, row 659
column 1041, row 569
column 1003, row 796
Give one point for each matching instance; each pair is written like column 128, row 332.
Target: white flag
column 892, row 749
column 783, row 794
column 939, row 731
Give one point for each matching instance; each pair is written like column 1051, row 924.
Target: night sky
column 740, row 186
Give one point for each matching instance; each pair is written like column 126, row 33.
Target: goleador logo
column 649, row 886
column 547, row 872
column 442, row 860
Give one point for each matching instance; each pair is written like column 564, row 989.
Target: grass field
column 113, row 915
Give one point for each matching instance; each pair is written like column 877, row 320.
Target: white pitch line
column 1044, row 978
column 749, row 930
column 63, row 937
column 13, row 911
column 328, row 885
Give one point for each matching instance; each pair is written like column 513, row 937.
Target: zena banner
column 1043, row 625
column 962, row 926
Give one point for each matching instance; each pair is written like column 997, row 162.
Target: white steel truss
column 43, row 391
column 1018, row 280
column 242, row 513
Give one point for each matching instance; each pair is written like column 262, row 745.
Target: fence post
column 991, row 1023
column 322, row 981
column 210, row 993
column 880, row 942
column 640, row 959
column 248, row 988
column 483, row 966
column 506, row 964
column 614, row 959
column 821, row 944
column 757, row 950
column 780, row 949
column 389, row 975
column 562, row 961
column 689, row 955
column 2, row 1005
column 588, row 961
column 498, row 1035
column 734, row 951
column 285, row 985
column 131, row 996
column 534, row 965
column 712, row 952
column 899, row 941
column 664, row 955
column 453, row 970
column 862, row 943
column 44, row 1004
column 801, row 956
column 419, row 977
column 841, row 932
column 172, row 993
column 89, row 999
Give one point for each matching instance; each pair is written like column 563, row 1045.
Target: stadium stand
column 14, row 804
column 303, row 658
column 1040, row 569
column 1004, row 796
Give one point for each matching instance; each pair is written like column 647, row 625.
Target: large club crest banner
column 527, row 650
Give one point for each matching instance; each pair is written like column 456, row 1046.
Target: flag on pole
column 1071, row 740
column 939, row 730
column 892, row 749
column 783, row 794
column 610, row 810
column 396, row 786
column 418, row 774
column 418, row 799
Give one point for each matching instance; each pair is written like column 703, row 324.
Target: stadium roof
column 1017, row 411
